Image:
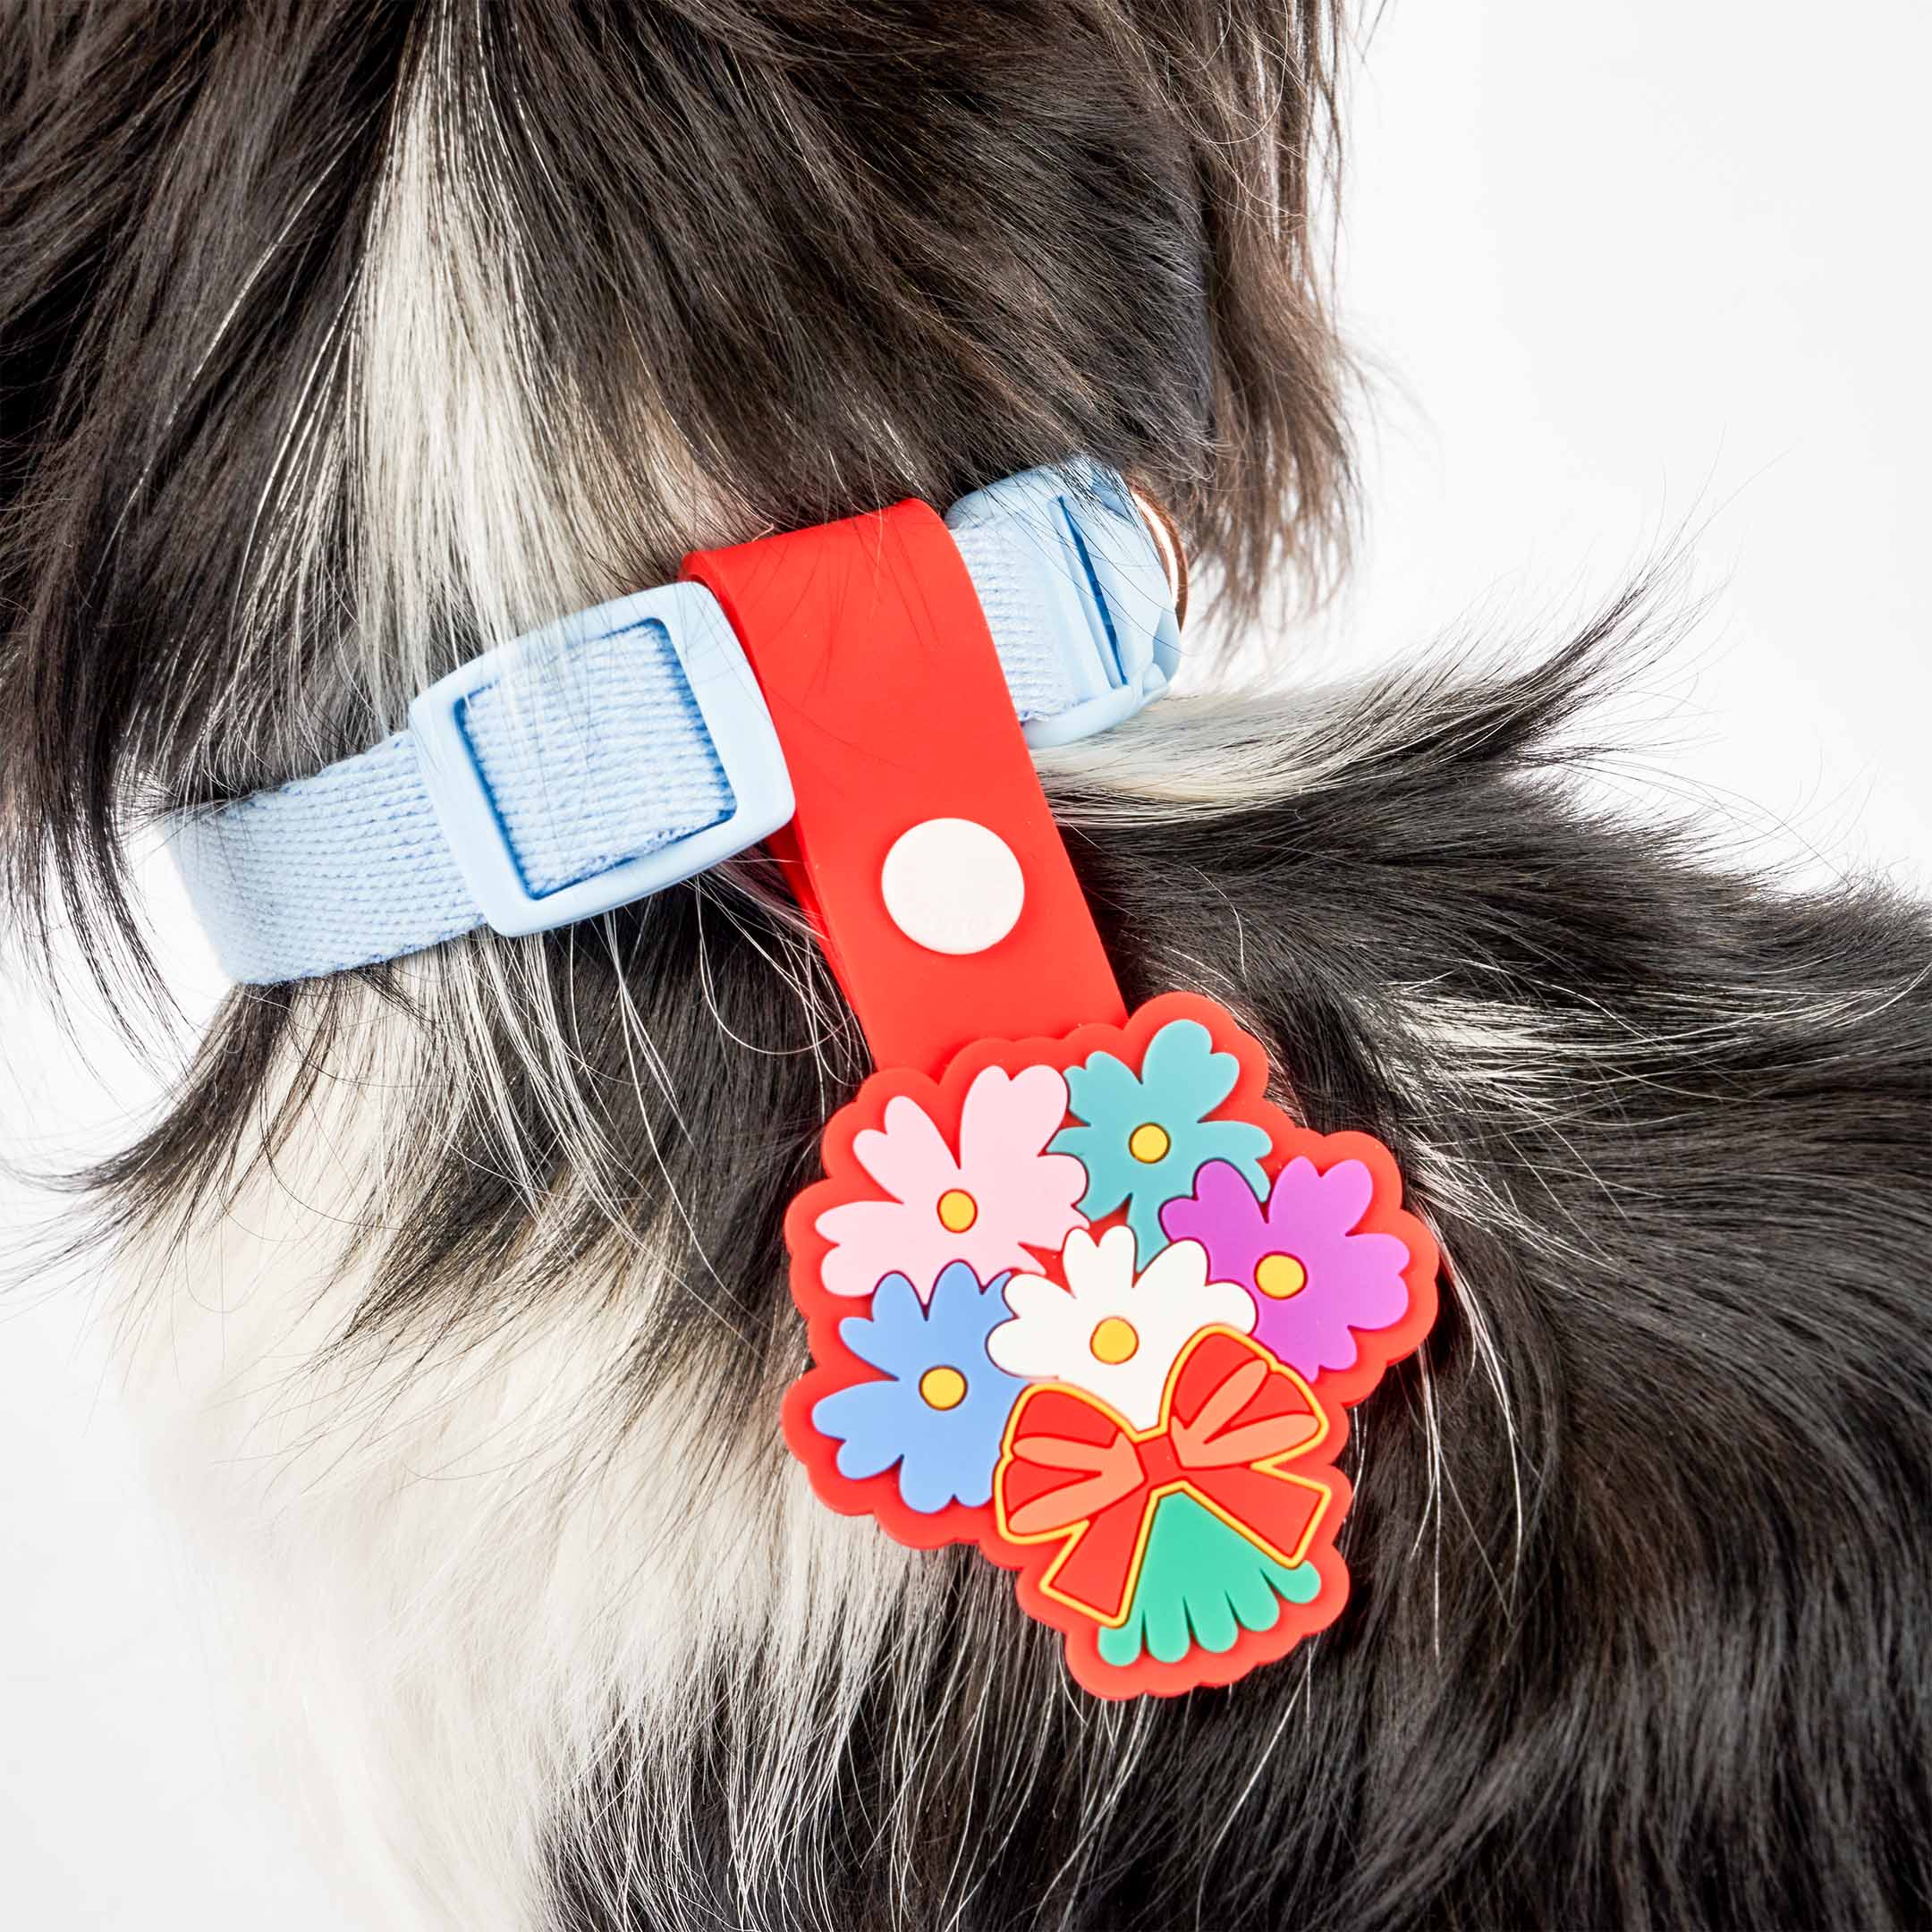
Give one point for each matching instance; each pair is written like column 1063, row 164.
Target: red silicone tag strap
column 888, row 698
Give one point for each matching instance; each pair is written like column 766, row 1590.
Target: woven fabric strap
column 595, row 751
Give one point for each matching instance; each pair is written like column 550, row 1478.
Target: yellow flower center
column 1114, row 1341
column 1148, row 1143
column 958, row 1210
column 942, row 1387
column 1280, row 1275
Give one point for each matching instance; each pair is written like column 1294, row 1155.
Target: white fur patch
column 470, row 1565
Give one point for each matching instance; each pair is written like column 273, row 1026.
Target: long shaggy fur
column 338, row 341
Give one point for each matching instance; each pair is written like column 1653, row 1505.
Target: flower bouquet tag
column 1097, row 1306
column 1077, row 1294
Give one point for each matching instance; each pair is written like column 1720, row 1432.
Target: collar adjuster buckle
column 540, row 668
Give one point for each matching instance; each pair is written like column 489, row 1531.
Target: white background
column 1626, row 271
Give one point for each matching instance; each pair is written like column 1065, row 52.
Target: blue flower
column 1145, row 1135
column 941, row 1411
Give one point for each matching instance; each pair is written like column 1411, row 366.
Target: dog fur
column 338, row 341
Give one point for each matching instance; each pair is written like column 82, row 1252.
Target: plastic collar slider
column 1089, row 562
column 726, row 695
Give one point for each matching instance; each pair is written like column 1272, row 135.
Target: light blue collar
column 626, row 748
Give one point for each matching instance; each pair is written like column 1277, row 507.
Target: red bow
column 1073, row 1468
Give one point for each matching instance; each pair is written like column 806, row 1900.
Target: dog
column 338, row 341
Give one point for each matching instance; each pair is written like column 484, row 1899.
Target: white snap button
column 952, row 885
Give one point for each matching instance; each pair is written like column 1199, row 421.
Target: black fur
column 1662, row 1660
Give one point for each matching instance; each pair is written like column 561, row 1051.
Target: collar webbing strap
column 627, row 747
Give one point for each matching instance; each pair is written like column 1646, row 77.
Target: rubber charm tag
column 1076, row 1292
column 1098, row 1307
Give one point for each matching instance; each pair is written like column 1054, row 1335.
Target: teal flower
column 1143, row 1136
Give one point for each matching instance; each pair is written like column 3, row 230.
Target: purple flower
column 1313, row 1279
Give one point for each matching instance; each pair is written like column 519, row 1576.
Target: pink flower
column 1315, row 1280
column 1001, row 1195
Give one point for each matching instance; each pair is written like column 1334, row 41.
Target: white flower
column 1108, row 1332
